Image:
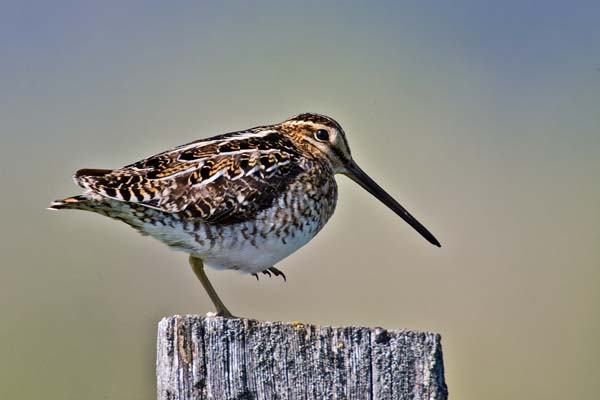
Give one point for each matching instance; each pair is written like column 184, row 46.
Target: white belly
column 255, row 256
column 249, row 247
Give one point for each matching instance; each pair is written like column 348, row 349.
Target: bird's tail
column 74, row 203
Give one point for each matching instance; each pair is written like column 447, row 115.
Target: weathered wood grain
column 216, row 358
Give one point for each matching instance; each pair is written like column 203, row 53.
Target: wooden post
column 216, row 358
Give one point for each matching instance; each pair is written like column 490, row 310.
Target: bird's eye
column 322, row 135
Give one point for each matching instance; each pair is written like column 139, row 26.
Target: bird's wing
column 226, row 178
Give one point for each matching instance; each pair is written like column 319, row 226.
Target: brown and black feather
column 222, row 179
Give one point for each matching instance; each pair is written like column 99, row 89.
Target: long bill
column 359, row 176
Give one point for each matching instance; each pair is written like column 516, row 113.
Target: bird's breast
column 294, row 218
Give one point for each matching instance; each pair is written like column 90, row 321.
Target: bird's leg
column 256, row 276
column 198, row 268
column 277, row 272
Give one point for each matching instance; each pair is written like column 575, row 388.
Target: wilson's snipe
column 243, row 200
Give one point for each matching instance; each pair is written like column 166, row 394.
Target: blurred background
column 481, row 118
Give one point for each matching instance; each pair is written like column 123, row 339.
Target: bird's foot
column 269, row 271
column 226, row 314
column 277, row 272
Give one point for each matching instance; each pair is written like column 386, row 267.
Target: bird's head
column 323, row 136
column 320, row 135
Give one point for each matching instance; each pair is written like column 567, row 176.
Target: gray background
column 481, row 119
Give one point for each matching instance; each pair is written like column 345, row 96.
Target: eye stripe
column 340, row 156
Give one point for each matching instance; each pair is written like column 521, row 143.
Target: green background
column 482, row 118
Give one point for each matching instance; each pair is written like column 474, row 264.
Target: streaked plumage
column 242, row 200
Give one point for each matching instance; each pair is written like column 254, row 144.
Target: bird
column 240, row 201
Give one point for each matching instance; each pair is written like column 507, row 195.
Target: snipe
column 243, row 200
